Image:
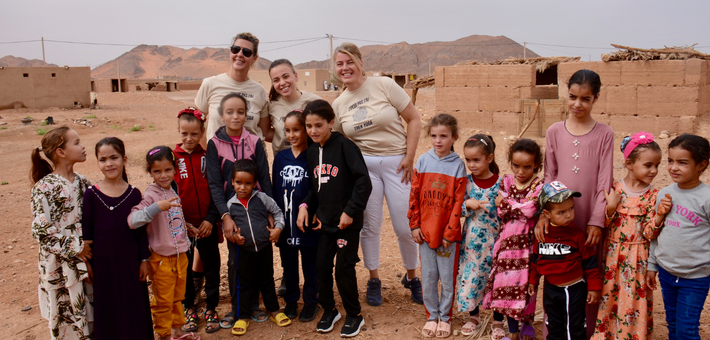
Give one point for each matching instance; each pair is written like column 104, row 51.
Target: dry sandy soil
column 398, row 318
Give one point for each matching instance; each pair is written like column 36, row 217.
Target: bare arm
column 414, row 127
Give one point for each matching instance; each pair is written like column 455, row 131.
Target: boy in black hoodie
column 340, row 187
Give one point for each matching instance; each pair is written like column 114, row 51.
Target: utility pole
column 332, row 66
column 118, row 69
column 525, row 49
column 43, row 59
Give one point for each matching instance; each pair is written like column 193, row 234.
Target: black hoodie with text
column 340, row 182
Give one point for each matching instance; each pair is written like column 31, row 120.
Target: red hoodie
column 191, row 178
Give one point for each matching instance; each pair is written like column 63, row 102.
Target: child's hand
column 238, row 238
column 316, row 223
column 532, row 289
column 229, row 228
column 164, row 205
column 594, row 235
column 274, row 234
column 593, row 297
column 144, row 271
column 345, row 221
column 85, row 254
column 90, row 271
column 665, row 206
column 612, row 198
column 205, row 230
column 475, row 205
column 191, row 230
column 445, row 243
column 272, row 221
column 542, row 228
column 651, row 280
column 418, row 236
column 302, row 219
column 499, row 199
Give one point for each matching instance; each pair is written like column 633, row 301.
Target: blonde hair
column 248, row 37
column 353, row 52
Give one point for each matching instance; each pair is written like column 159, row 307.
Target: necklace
column 119, row 203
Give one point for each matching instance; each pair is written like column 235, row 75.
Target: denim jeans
column 683, row 300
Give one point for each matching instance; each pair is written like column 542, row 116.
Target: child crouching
column 250, row 208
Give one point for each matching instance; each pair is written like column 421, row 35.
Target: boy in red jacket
column 569, row 266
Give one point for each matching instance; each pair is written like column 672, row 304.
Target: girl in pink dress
column 579, row 152
column 626, row 307
column 517, row 204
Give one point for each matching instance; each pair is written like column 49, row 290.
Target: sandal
column 191, row 321
column 497, row 333
column 443, row 330
column 527, row 330
column 187, row 336
column 280, row 320
column 240, row 327
column 259, row 316
column 470, row 327
column 429, row 329
column 228, row 320
column 212, row 325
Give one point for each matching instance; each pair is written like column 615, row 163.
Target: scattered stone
column 83, row 121
column 3, row 123
column 9, row 247
column 14, row 240
column 456, row 332
column 26, row 308
column 664, row 134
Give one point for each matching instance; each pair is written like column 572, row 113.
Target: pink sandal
column 473, row 326
column 429, row 329
column 443, row 330
column 497, row 333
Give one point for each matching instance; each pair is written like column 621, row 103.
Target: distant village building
column 44, row 87
column 309, row 80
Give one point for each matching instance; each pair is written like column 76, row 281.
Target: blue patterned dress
column 480, row 232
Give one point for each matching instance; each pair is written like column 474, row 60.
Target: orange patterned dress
column 626, row 306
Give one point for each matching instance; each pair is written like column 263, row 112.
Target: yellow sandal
column 242, row 325
column 281, row 320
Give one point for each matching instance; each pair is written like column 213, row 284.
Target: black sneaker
column 416, row 287
column 291, row 310
column 352, row 326
column 281, row 291
column 374, row 292
column 308, row 313
column 327, row 321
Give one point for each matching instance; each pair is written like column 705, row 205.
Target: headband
column 480, row 140
column 193, row 112
column 630, row 143
column 152, row 152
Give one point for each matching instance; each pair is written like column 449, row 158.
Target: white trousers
column 387, row 183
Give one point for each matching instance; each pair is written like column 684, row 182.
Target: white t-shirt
column 278, row 109
column 214, row 88
column 369, row 116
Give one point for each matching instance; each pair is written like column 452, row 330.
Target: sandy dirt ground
column 154, row 113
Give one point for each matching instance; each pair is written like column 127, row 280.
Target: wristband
column 303, row 205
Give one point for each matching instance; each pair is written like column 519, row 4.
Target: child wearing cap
column 569, row 266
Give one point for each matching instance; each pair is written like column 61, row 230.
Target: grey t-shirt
column 683, row 247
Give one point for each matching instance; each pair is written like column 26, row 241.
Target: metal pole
column 118, row 68
column 43, row 59
column 525, row 49
column 332, row 66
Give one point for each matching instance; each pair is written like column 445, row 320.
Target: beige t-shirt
column 369, row 116
column 278, row 109
column 214, row 88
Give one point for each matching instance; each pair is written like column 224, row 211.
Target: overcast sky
column 567, row 24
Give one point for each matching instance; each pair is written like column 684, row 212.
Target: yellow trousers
column 168, row 274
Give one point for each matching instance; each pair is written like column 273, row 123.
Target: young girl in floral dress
column 626, row 308
column 65, row 288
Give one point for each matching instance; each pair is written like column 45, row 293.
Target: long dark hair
column 51, row 141
column 298, row 114
column 117, row 145
column 588, row 78
column 486, row 143
column 160, row 153
column 273, row 95
column 698, row 147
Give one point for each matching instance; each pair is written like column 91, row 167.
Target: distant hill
column 418, row 58
column 12, row 61
column 151, row 61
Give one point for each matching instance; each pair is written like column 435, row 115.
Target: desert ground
column 147, row 119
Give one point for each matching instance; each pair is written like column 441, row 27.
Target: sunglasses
column 245, row 51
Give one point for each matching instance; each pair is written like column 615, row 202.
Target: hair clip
column 194, row 112
column 639, row 138
column 173, row 155
column 625, row 142
column 152, row 152
column 39, row 148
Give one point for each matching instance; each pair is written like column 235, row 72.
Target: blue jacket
column 290, row 183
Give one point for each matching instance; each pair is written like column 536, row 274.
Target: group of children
column 99, row 243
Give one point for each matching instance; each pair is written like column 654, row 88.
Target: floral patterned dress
column 64, row 296
column 506, row 291
column 476, row 253
column 626, row 307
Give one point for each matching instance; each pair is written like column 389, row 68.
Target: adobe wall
column 43, row 87
column 654, row 95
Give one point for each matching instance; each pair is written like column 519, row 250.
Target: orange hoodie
column 438, row 189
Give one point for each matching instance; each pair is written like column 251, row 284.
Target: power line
column 307, row 42
column 19, row 42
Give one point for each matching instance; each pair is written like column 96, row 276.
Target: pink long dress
column 585, row 164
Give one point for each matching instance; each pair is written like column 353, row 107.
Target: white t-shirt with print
column 278, row 109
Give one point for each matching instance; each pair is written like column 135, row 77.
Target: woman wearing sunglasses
column 371, row 112
column 242, row 55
